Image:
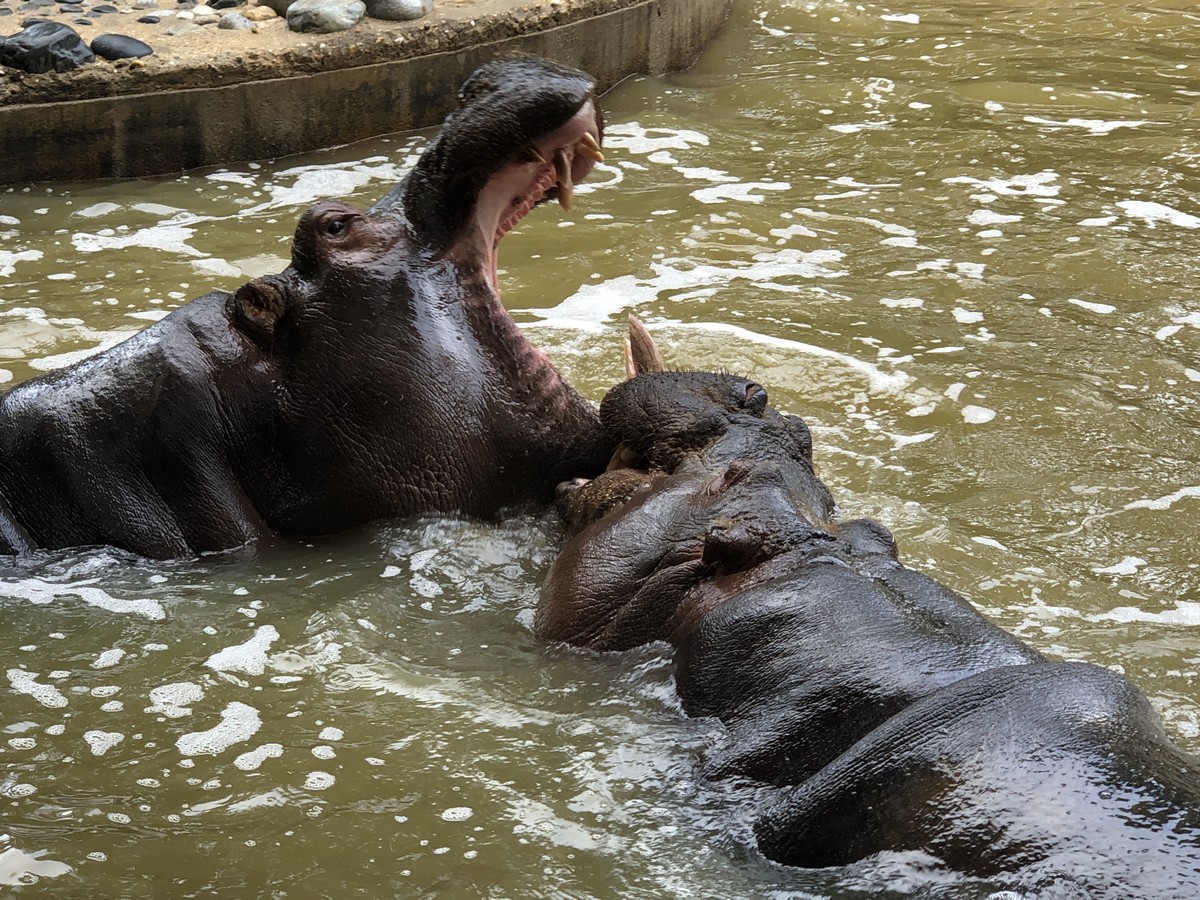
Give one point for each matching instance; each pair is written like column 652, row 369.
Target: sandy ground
column 210, row 56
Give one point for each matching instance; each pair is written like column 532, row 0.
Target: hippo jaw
column 546, row 169
column 526, row 131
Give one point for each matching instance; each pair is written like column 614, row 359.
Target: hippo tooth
column 562, row 171
column 588, row 147
column 536, row 157
column 624, row 457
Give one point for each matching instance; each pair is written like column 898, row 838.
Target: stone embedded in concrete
column 259, row 13
column 398, row 10
column 324, row 16
column 119, row 46
column 45, row 47
column 234, row 22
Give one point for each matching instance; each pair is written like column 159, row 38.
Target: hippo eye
column 755, row 399
column 336, row 226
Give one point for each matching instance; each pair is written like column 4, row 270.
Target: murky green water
column 959, row 238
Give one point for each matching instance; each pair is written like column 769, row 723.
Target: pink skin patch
column 520, row 186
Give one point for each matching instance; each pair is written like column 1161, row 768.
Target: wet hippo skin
column 378, row 375
column 887, row 714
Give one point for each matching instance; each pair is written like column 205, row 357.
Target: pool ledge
column 298, row 92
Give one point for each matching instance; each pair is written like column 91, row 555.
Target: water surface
column 958, row 238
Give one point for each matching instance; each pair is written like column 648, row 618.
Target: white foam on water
column 252, row 759
column 100, row 742
column 901, row 302
column 168, row 238
column 1103, row 309
column 906, row 18
column 318, row 781
column 977, row 415
column 324, row 751
column 1153, row 213
column 634, row 138
column 329, row 733
column 742, row 192
column 1039, row 184
column 1094, row 126
column 10, row 258
column 97, row 209
column 1127, row 566
column 966, row 316
column 1166, row 502
column 594, row 304
column 1186, row 613
column 239, row 723
column 174, row 700
column 249, row 657
column 36, row 591
column 108, row 658
column 46, row 694
column 985, row 217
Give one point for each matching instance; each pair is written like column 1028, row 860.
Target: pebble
column 234, row 22
column 182, row 28
column 398, row 10
column 5, row 11
column 260, row 13
column 35, row 4
column 119, row 46
column 184, row 14
column 45, row 47
column 324, row 16
column 279, row 6
column 207, row 18
column 149, row 20
column 225, row 4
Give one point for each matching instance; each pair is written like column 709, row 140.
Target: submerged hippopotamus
column 889, row 714
column 378, row 375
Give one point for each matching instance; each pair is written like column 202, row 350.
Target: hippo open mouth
column 546, row 169
column 526, row 131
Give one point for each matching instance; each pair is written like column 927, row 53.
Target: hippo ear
column 258, row 306
column 641, row 355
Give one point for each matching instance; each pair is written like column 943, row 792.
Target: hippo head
column 526, row 131
column 707, row 481
column 658, row 420
column 400, row 378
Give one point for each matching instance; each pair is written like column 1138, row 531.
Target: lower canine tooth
column 562, row 171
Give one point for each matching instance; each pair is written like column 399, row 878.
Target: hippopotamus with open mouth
column 886, row 712
column 378, row 375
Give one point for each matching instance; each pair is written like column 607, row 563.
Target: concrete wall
column 156, row 133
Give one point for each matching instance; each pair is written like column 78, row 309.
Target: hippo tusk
column 624, row 457
column 562, row 171
column 588, row 147
column 641, row 354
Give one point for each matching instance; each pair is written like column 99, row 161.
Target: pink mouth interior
column 520, row 186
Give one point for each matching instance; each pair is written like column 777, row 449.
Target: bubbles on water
column 100, row 742
column 330, row 733
column 22, row 743
column 318, row 781
column 108, row 658
column 46, row 694
column 250, row 657
column 173, row 700
column 239, row 722
column 324, row 751
column 252, row 759
column 457, row 814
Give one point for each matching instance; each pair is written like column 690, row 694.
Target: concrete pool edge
column 148, row 132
